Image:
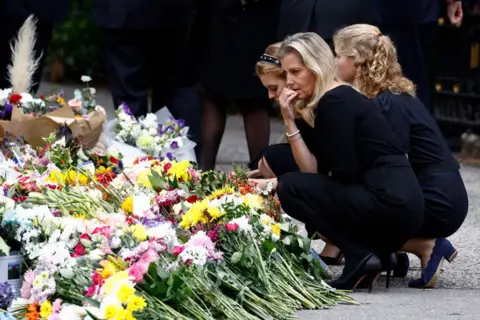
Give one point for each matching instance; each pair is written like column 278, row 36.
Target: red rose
column 78, row 251
column 85, row 237
column 15, row 98
column 177, row 250
column 232, row 227
column 167, row 167
column 192, row 199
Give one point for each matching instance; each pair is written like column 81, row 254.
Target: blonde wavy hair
column 317, row 57
column 375, row 57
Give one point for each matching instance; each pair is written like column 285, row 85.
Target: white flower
column 4, row 94
column 86, row 78
column 243, row 224
column 72, row 312
column 26, row 98
column 112, row 151
column 61, row 142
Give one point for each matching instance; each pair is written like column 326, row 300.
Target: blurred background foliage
column 77, row 46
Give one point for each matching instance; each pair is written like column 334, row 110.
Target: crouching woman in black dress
column 372, row 203
column 369, row 60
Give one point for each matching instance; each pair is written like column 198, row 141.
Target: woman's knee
column 265, row 169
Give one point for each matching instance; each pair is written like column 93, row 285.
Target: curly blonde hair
column 375, row 57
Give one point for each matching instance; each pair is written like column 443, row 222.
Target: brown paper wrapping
column 88, row 130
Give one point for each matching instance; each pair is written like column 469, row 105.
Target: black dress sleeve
column 394, row 112
column 335, row 135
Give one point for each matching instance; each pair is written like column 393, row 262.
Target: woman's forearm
column 305, row 160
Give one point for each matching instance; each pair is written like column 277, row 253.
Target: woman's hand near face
column 286, row 104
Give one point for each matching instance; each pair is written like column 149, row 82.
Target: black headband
column 270, row 59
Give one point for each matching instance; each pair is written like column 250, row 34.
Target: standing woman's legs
column 257, row 124
column 214, row 118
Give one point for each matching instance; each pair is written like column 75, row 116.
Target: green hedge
column 77, row 45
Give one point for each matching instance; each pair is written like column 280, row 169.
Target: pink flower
column 75, row 104
column 149, row 256
column 177, row 250
column 27, row 284
column 231, row 227
column 104, row 231
column 56, row 306
column 138, row 270
column 90, row 291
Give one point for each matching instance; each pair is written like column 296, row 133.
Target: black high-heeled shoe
column 389, row 263
column 367, row 268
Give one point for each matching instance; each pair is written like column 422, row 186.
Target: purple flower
column 6, row 295
column 160, row 129
column 170, row 129
column 126, row 109
column 151, row 223
column 181, row 123
column 169, row 156
column 5, row 191
column 174, row 145
column 7, row 112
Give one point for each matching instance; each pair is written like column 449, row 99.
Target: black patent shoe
column 389, row 263
column 356, row 270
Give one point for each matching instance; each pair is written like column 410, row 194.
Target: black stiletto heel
column 388, row 265
column 365, row 271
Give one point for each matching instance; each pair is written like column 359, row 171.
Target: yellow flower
column 138, row 231
column 276, row 230
column 109, row 269
column 45, row 309
column 179, row 170
column 80, row 216
column 113, row 312
column 56, row 176
column 114, row 280
column 127, row 315
column 195, row 215
column 214, row 212
column 127, row 205
column 220, row 192
column 103, row 170
column 60, row 100
column 253, row 201
column 143, row 180
column 136, row 304
column 125, row 293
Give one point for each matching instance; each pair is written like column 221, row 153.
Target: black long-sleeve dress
column 372, row 201
column 280, row 157
column 446, row 200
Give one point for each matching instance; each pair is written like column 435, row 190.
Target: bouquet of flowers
column 108, row 237
column 21, row 114
column 153, row 135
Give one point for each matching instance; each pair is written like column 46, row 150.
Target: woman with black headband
column 277, row 159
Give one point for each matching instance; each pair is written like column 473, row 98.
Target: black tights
column 214, row 118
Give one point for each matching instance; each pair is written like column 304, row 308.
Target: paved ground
column 458, row 292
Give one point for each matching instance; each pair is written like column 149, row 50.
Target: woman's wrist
column 291, row 126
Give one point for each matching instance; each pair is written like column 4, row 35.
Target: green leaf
column 4, row 248
column 268, row 245
column 162, row 273
column 156, row 180
column 236, row 257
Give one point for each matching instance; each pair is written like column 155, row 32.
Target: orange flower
column 33, row 311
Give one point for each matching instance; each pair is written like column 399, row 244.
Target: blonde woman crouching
column 368, row 59
column 369, row 206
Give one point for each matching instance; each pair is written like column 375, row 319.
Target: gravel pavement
column 458, row 293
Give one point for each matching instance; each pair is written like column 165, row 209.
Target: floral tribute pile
column 106, row 237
